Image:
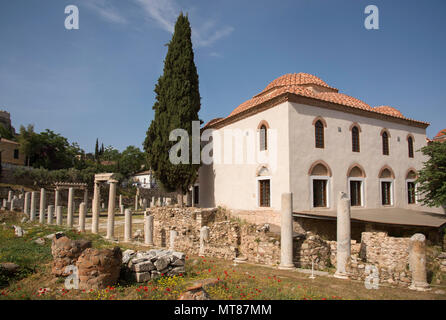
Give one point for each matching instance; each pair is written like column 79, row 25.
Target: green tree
column 27, row 139
column 432, row 177
column 6, row 133
column 177, row 105
column 132, row 160
column 96, row 150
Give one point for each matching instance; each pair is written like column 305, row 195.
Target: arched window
column 320, row 175
column 355, row 139
column 319, row 134
column 385, row 138
column 386, row 177
column 356, row 177
column 410, row 146
column 263, row 138
column 411, row 177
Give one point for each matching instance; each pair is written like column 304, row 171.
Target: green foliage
column 6, row 133
column 432, row 178
column 177, row 105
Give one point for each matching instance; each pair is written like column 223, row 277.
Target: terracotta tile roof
column 296, row 79
column 389, row 110
column 300, row 85
column 441, row 134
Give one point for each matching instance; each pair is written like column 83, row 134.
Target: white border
column 327, row 191
column 258, row 178
column 392, row 186
column 362, row 180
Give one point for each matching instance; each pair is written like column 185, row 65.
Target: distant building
column 440, row 137
column 144, row 179
column 5, row 121
column 11, row 152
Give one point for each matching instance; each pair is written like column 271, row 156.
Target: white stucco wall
column 339, row 156
column 235, row 185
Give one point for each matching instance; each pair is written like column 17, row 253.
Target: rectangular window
column 386, row 193
column 196, row 194
column 319, row 193
column 16, row 153
column 411, row 192
column 355, row 193
column 264, row 193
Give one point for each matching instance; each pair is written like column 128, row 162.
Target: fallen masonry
column 144, row 266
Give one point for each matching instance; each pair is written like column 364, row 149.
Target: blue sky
column 98, row 81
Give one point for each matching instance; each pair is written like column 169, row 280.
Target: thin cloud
column 106, row 11
column 165, row 13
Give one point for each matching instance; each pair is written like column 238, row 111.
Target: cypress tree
column 96, row 150
column 177, row 105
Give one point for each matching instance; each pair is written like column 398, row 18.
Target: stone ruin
column 152, row 264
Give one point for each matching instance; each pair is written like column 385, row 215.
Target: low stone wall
column 152, row 264
column 390, row 256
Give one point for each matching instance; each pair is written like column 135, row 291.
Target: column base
column 287, row 267
column 340, row 275
column 420, row 287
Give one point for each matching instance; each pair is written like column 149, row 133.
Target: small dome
column 441, row 133
column 389, row 110
column 298, row 79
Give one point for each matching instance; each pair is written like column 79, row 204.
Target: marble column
column 343, row 236
column 56, row 197
column 122, row 210
column 111, row 210
column 128, row 226
column 50, row 214
column 286, row 232
column 86, row 200
column 120, row 200
column 204, row 237
column 82, row 216
column 26, row 205
column 417, row 262
column 144, row 204
column 136, row 202
column 153, row 203
column 12, row 207
column 42, row 205
column 95, row 208
column 148, row 229
column 70, row 208
column 9, row 196
column 172, row 238
column 32, row 213
column 59, row 215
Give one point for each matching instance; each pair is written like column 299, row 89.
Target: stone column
column 417, row 262
column 120, row 200
column 70, row 208
column 128, row 226
column 144, row 204
column 204, row 237
column 85, row 200
column 148, row 229
column 95, row 209
column 136, row 202
column 5, row 201
column 32, row 213
column 59, row 215
column 9, row 196
column 56, row 197
column 343, row 236
column 111, row 210
column 26, row 205
column 172, row 238
column 286, row 232
column 122, row 209
column 82, row 215
column 153, row 203
column 42, row 205
column 12, row 204
column 50, row 214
